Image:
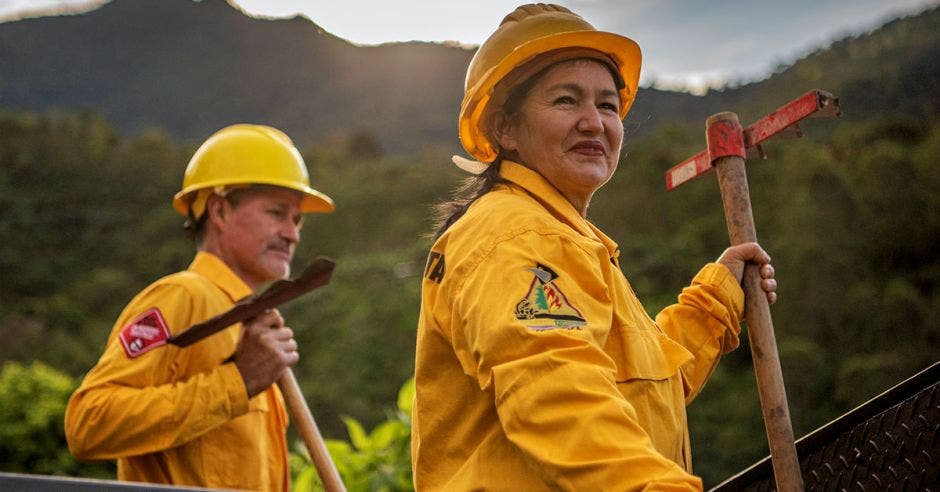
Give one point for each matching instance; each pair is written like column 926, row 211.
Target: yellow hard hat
column 536, row 33
column 247, row 154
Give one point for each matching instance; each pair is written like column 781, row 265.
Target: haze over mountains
column 192, row 67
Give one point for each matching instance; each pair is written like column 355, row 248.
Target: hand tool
column 727, row 147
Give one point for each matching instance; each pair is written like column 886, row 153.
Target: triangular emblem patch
column 545, row 306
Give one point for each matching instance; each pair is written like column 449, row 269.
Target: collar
column 552, row 199
column 214, row 269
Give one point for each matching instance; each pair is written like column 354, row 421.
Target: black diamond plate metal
column 891, row 443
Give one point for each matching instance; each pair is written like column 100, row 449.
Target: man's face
column 258, row 235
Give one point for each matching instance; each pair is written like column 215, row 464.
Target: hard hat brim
column 313, row 201
column 622, row 50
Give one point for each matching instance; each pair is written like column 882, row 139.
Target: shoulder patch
column 147, row 332
column 545, row 306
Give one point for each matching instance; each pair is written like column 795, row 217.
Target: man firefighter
column 207, row 415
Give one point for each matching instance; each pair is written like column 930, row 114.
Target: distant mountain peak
column 71, row 8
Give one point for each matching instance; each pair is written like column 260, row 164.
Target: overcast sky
column 691, row 42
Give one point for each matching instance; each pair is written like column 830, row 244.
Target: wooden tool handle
column 735, row 196
column 307, row 428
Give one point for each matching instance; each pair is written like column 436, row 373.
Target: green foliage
column 84, row 227
column 377, row 461
column 851, row 225
column 32, row 409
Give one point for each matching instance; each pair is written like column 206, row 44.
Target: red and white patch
column 144, row 334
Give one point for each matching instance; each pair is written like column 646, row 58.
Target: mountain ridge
column 190, row 68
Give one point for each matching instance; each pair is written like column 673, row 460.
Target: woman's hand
column 736, row 256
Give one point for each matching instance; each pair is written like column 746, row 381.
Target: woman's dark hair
column 472, row 188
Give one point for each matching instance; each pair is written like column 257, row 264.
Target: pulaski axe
column 317, row 274
column 728, row 146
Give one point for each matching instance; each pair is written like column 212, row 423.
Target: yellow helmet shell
column 249, row 154
column 529, row 32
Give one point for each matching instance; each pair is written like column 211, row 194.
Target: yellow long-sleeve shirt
column 537, row 367
column 179, row 416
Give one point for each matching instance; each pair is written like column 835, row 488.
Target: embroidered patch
column 144, row 334
column 545, row 306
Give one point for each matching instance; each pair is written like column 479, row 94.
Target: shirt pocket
column 648, row 376
column 645, row 354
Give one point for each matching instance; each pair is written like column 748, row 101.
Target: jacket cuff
column 720, row 277
column 235, row 388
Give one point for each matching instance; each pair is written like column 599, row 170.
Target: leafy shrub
column 376, row 461
column 32, row 410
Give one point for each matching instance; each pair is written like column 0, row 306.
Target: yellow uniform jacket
column 179, row 416
column 537, row 367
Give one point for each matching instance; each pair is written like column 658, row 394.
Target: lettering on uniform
column 145, row 333
column 545, row 306
column 435, row 268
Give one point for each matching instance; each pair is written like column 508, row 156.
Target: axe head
column 782, row 122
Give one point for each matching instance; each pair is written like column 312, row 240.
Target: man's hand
column 266, row 349
column 736, row 256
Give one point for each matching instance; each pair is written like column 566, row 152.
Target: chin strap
column 469, row 165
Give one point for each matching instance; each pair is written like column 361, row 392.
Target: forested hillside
column 850, row 213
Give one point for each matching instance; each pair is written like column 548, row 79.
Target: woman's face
column 568, row 129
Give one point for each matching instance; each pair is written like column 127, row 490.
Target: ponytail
column 472, row 188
